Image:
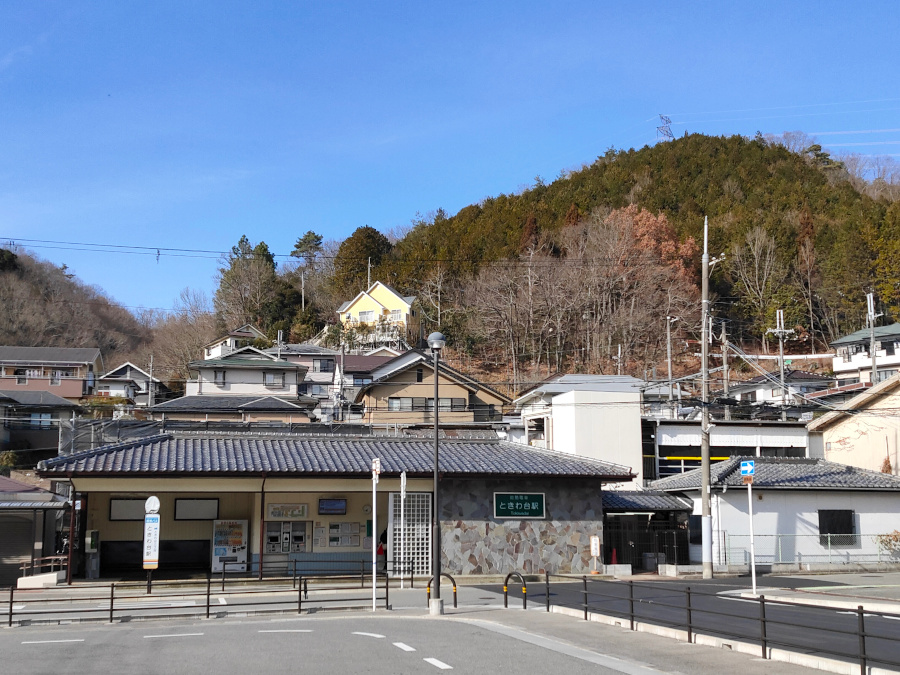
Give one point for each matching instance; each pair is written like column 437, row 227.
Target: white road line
column 18, row 606
column 404, row 647
column 374, row 635
column 438, row 664
column 173, row 635
column 223, row 601
column 286, row 630
column 47, row 642
column 877, row 616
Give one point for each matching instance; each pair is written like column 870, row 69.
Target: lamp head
column 436, row 341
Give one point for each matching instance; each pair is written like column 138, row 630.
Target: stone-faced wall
column 473, row 542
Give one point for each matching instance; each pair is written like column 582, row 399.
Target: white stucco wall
column 786, row 525
column 603, row 425
column 240, row 382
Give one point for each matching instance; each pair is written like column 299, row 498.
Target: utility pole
column 303, row 289
column 669, row 321
column 725, row 371
column 150, row 385
column 369, row 275
column 870, row 303
column 706, row 513
column 780, row 332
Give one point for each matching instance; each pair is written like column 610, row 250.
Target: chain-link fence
column 773, row 549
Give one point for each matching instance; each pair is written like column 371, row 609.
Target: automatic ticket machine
column 286, row 537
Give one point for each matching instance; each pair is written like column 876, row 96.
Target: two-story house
column 767, row 388
column 320, row 364
column 380, row 315
column 129, row 381
column 852, row 362
column 67, row 372
column 236, row 339
column 401, row 391
column 247, row 385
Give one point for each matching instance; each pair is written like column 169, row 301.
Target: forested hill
column 41, row 305
column 800, row 218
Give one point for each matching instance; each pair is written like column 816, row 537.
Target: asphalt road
column 717, row 608
column 348, row 644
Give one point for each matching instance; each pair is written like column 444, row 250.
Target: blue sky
column 186, row 125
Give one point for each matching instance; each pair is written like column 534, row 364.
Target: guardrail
column 847, row 634
column 54, row 562
column 127, row 600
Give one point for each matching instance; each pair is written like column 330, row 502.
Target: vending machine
column 229, row 546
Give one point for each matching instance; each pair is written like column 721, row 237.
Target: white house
column 767, row 388
column 595, row 416
column 236, row 339
column 129, row 381
column 853, row 358
column 807, row 513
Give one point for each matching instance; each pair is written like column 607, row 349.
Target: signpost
column 748, row 470
column 376, row 540
column 151, row 537
column 402, row 529
column 595, row 551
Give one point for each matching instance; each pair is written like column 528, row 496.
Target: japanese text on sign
column 519, row 505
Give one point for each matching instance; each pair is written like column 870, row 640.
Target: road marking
column 286, row 630
column 438, row 664
column 374, row 635
column 404, row 647
column 47, row 642
column 173, row 635
column 877, row 616
column 18, row 606
column 611, row 662
column 151, row 605
column 223, row 601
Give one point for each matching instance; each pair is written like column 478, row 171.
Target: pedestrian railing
column 125, row 601
column 857, row 634
column 49, row 563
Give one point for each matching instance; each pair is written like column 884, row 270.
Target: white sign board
column 151, row 541
column 748, row 467
column 595, row 546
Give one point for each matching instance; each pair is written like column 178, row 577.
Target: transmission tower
column 664, row 130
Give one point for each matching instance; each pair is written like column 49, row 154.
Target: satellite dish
column 151, row 505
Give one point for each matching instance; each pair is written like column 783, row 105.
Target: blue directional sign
column 748, row 467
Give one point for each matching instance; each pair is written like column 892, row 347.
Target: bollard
column 208, row 589
column 762, row 626
column 149, row 582
column 687, row 602
column 505, row 604
column 454, row 595
column 224, row 564
column 524, row 595
column 861, row 631
column 300, row 597
column 428, row 595
column 112, row 597
column 387, row 591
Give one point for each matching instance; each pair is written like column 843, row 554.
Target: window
column 888, row 348
column 420, row 375
column 359, row 380
column 318, row 389
column 396, row 315
column 406, row 403
column 40, row 420
column 695, row 530
column 271, row 379
column 219, row 377
column 367, row 317
column 21, row 377
column 323, row 365
column 836, row 528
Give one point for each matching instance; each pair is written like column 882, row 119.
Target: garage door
column 15, row 546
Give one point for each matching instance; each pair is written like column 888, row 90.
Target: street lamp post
column 436, row 606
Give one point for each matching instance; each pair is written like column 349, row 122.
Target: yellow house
column 381, row 314
column 402, row 392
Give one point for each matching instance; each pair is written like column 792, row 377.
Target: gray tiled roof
column 233, row 403
column 50, row 354
column 303, row 348
column 643, row 500
column 43, row 399
column 170, row 454
column 864, row 335
column 785, row 474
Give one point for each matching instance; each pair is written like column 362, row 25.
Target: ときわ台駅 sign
column 519, row 505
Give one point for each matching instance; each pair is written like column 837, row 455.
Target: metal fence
column 856, row 635
column 773, row 549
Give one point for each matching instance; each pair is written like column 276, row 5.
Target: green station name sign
column 519, row 505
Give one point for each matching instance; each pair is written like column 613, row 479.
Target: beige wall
column 865, row 440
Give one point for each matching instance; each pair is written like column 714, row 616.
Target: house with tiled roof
column 503, row 506
column 852, row 361
column 807, row 513
column 68, row 372
column 766, row 389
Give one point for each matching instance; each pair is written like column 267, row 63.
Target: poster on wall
column 287, row 511
column 229, row 546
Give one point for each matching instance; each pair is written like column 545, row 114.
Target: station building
column 270, row 505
